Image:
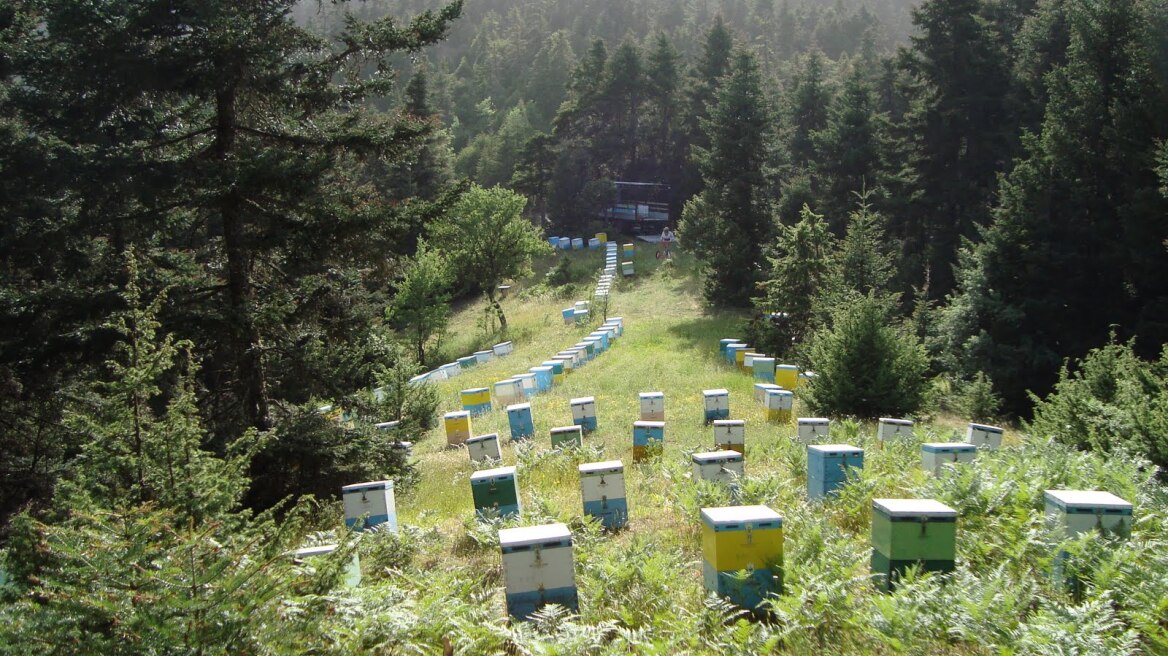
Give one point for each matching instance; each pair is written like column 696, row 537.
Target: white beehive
column 503, row 348
column 584, row 412
column 307, row 556
column 894, row 429
column 652, row 406
column 730, row 435
column 983, row 436
column 508, row 391
column 718, row 466
column 717, row 404
column 483, row 447
column 371, row 503
column 538, row 568
column 813, row 429
column 602, row 488
column 1074, row 512
column 935, row 455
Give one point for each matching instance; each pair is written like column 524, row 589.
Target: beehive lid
column 780, row 392
column 458, row 414
column 503, row 343
column 649, row 424
column 814, row 421
column 566, row 429
column 387, row 425
column 652, row 395
column 518, row 407
column 309, row 552
column 541, row 368
column 526, row 374
column 372, row 485
column 483, row 353
column 716, row 456
column 986, row 428
column 715, row 392
column 896, row 422
column 763, row 358
column 913, row 508
column 475, row 390
column 492, row 474
column 508, row 381
column 730, row 517
column 582, row 400
column 834, row 449
column 787, row 367
column 482, row 438
column 606, row 467
column 729, row 422
column 947, row 447
column 1076, row 499
column 531, row 535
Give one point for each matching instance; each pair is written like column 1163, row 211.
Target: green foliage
column 420, row 306
column 976, row 400
column 867, row 366
column 488, row 240
column 397, row 399
column 1111, row 400
column 801, row 273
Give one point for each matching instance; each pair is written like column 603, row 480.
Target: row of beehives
column 742, row 546
column 453, row 369
column 539, row 379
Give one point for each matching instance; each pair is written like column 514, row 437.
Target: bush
column 866, row 365
column 1109, row 400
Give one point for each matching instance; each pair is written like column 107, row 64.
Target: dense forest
column 219, row 217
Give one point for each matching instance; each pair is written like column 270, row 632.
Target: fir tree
column 801, row 274
column 808, row 112
column 849, row 147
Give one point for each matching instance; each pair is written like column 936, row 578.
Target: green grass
column 640, row 588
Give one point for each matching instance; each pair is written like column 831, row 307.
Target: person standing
column 666, row 242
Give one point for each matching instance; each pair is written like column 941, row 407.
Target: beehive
column 543, row 378
column 467, row 362
column 476, row 401
column 911, row 531
column 452, row 369
column 787, row 376
column 740, row 356
column 628, row 250
column 732, row 351
column 503, row 348
column 779, row 404
column 419, row 379
column 584, row 412
column 567, row 363
column 557, row 370
column 742, row 553
column 617, row 326
column 457, row 426
column 602, row 487
column 827, row 466
column 569, row 315
column 565, row 243
column 603, row 336
column 594, row 244
column 730, row 435
column 813, row 429
column 652, row 406
column 527, row 382
column 764, row 369
column 438, row 375
column 508, row 391
column 589, row 349
column 504, row 291
column 934, row 455
column 648, row 436
column 519, row 420
column 894, row 429
column 1074, row 512
column 372, row 504
column 748, row 360
column 602, row 237
column 387, row 425
column 538, row 569
column 726, row 341
column 718, row 466
column 717, row 404
column 577, row 243
column 760, row 390
column 626, row 268
column 495, row 492
column 567, row 436
column 580, row 316
column 306, row 556
column 484, row 357
column 554, row 241
column 983, row 436
column 483, row 447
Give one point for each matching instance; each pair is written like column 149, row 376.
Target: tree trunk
column 491, row 301
column 246, row 339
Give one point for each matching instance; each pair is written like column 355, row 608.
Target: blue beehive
column 646, row 436
column 602, row 486
column 717, row 404
column 554, row 241
column 519, row 419
column 543, row 378
column 468, row 362
column 764, row 369
column 372, row 502
column 732, row 350
column 594, row 244
column 827, row 467
column 568, row 315
column 584, row 412
column 565, row 243
column 723, row 343
column 538, row 569
column 603, row 335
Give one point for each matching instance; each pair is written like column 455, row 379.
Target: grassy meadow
column 439, row 583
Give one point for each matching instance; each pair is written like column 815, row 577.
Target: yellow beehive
column 787, row 376
column 457, row 427
column 740, row 358
column 742, row 537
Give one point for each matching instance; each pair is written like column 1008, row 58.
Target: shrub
column 866, row 365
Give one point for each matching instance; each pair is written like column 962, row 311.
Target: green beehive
column 495, row 491
column 912, row 531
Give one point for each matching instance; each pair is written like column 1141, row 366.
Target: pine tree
column 1032, row 293
column 424, row 175
column 661, row 124
column 801, row 274
column 849, row 147
column 727, row 227
column 808, row 112
column 534, row 171
column 701, row 94
column 551, row 72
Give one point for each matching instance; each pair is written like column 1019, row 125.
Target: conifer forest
column 348, row 327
